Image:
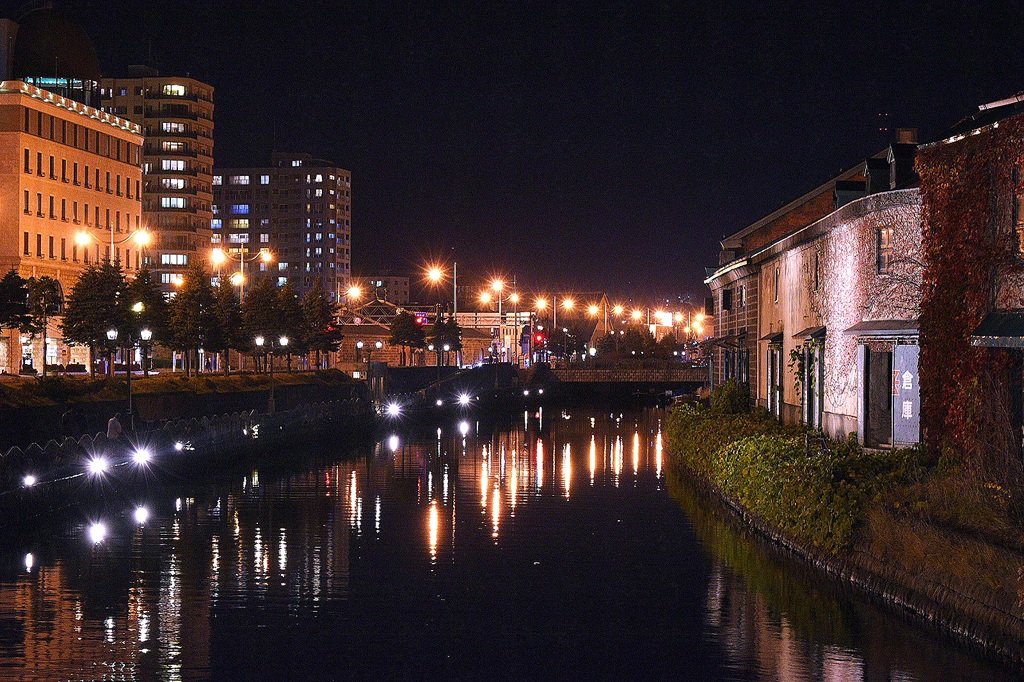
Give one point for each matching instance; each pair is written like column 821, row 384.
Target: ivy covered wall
column 972, row 265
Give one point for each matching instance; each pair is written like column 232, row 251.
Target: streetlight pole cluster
column 282, row 342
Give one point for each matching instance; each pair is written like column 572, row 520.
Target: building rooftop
column 49, row 45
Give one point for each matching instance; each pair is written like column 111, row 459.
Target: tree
column 261, row 311
column 44, row 301
column 406, row 334
column 320, row 313
column 445, row 332
column 229, row 317
column 193, row 318
column 293, row 322
column 637, row 343
column 13, row 301
column 95, row 305
column 149, row 310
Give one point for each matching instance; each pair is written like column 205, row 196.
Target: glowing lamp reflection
column 97, row 533
column 29, row 481
column 463, row 428
column 141, row 515
column 97, row 465
column 141, row 456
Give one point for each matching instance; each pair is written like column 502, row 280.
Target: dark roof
column 987, row 116
column 810, row 333
column 48, row 44
column 884, row 328
column 1000, row 329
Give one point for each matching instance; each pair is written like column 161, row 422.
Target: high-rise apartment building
column 176, row 115
column 299, row 209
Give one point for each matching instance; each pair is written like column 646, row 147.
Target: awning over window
column 1000, row 329
column 729, row 340
column 888, row 328
column 810, row 333
column 774, row 337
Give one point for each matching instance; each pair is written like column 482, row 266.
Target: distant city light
column 463, row 428
column 141, row 515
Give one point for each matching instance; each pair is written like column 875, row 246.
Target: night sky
column 581, row 145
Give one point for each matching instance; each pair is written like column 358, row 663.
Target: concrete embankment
column 73, row 471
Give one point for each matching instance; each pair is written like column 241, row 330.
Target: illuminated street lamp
column 352, row 295
column 436, row 275
column 282, row 342
column 140, row 236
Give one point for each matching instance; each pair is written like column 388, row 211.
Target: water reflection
column 778, row 620
column 487, row 545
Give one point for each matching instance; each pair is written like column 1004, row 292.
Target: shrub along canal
column 540, row 544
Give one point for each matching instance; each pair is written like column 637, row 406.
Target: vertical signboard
column 906, row 396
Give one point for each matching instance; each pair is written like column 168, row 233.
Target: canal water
column 545, row 544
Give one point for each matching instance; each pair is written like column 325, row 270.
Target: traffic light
column 538, row 339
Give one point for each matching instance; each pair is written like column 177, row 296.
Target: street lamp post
column 282, row 343
column 140, row 236
column 145, row 336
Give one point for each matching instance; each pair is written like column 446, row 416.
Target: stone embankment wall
column 981, row 616
column 22, row 426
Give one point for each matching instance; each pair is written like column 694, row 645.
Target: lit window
column 174, row 90
column 215, row 239
column 171, row 278
column 282, row 266
column 218, row 179
column 172, row 202
column 281, row 281
column 216, row 223
column 240, row 224
column 264, row 239
column 238, row 238
column 319, row 178
column 238, row 180
column 264, row 179
column 242, row 209
column 885, row 249
column 172, row 183
column 172, row 147
column 173, row 259
column 296, row 163
column 172, row 127
column 172, row 165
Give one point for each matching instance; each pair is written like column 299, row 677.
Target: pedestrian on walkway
column 114, row 427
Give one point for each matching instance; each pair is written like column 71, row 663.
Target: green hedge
column 762, row 465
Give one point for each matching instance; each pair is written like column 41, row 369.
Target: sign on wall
column 906, row 396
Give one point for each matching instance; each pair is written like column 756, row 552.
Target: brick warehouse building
column 816, row 304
